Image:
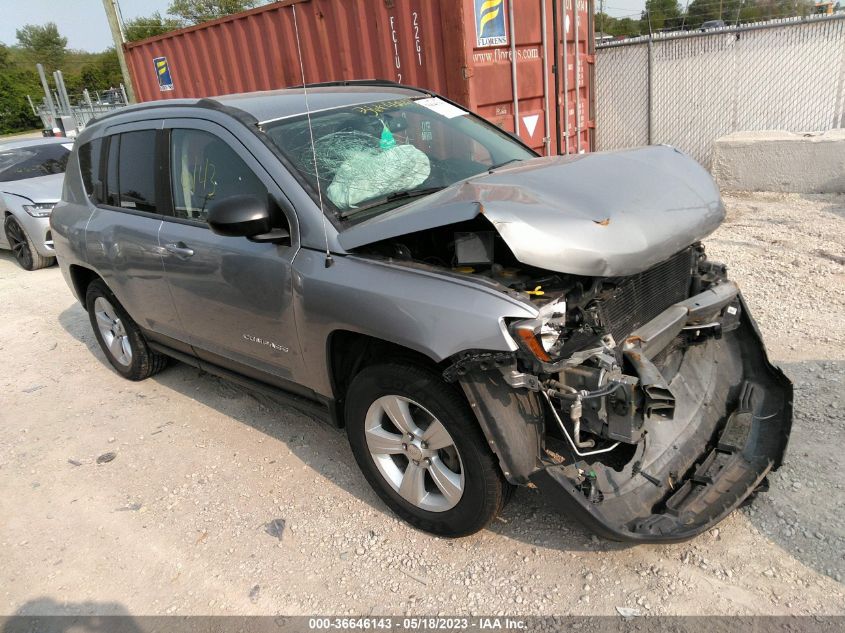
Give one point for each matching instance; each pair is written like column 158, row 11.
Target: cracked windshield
column 376, row 156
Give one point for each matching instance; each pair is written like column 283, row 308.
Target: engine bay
column 472, row 248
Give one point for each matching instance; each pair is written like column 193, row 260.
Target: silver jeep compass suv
column 476, row 316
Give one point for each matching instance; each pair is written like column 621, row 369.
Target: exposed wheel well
column 81, row 278
column 350, row 352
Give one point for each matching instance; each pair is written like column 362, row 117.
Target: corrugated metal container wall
column 463, row 49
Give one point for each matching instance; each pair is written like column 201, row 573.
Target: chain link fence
column 688, row 89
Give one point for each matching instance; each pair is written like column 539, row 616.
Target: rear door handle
column 180, row 250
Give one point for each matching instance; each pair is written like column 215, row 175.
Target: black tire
column 484, row 488
column 143, row 361
column 22, row 247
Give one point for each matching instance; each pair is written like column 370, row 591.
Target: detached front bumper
column 730, row 424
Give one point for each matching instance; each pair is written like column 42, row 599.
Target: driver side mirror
column 246, row 216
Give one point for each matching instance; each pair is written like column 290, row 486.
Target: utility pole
column 116, row 25
column 601, row 13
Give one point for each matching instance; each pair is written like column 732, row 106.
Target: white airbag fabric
column 373, row 173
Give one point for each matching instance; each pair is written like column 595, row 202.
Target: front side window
column 205, row 170
column 21, row 163
column 136, row 170
column 373, row 157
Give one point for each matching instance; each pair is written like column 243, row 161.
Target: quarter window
column 205, row 170
column 136, row 170
column 89, row 164
column 113, row 192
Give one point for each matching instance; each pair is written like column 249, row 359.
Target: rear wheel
column 22, row 247
column 119, row 336
column 420, row 448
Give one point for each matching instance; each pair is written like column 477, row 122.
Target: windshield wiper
column 507, row 162
column 412, row 193
column 396, row 195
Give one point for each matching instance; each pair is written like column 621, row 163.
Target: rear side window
column 205, row 170
column 90, row 164
column 136, row 170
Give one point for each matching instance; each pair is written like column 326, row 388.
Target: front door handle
column 180, row 250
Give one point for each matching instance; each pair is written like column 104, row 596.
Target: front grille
column 640, row 298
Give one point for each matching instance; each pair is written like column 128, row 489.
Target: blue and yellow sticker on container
column 490, row 24
column 165, row 81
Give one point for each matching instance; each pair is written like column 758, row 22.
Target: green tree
column 730, row 11
column 629, row 27
column 662, row 15
column 43, row 44
column 618, row 27
column 101, row 73
column 197, row 11
column 15, row 84
column 155, row 24
column 743, row 11
column 15, row 113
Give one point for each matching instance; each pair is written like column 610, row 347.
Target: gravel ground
column 177, row 522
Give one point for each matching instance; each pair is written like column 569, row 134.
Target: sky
column 84, row 24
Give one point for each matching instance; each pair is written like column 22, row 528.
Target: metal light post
column 47, row 96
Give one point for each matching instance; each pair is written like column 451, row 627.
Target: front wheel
column 420, row 448
column 22, row 247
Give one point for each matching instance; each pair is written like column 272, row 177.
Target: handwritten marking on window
column 383, row 106
column 202, row 175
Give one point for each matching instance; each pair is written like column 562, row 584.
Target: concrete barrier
column 781, row 161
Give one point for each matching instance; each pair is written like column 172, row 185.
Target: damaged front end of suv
column 654, row 431
column 640, row 392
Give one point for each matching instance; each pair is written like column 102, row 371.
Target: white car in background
column 32, row 172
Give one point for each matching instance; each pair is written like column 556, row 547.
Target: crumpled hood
column 603, row 214
column 40, row 189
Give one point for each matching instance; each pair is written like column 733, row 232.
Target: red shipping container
column 525, row 65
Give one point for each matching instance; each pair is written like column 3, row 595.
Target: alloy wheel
column 113, row 331
column 19, row 243
column 414, row 453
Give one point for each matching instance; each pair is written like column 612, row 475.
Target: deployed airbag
column 370, row 174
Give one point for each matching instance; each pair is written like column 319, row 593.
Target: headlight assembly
column 39, row 209
column 541, row 336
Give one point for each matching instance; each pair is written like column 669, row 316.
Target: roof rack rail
column 204, row 102
column 349, row 82
column 211, row 102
